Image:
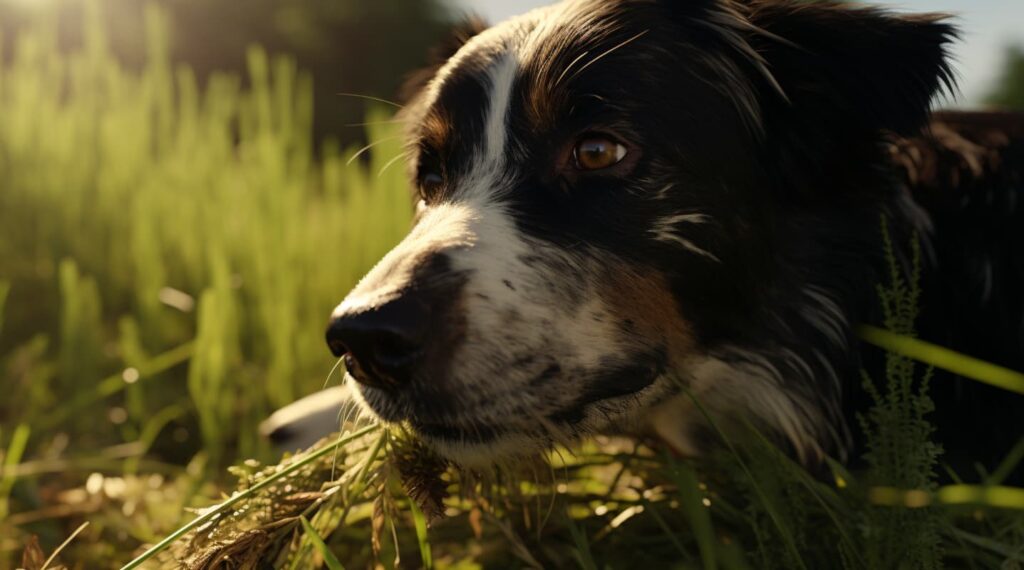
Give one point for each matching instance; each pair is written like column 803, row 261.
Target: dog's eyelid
column 430, row 184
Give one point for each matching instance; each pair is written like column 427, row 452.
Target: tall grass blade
column 5, row 289
column 768, row 503
column 989, row 495
column 691, row 500
column 15, row 450
column 944, row 358
column 116, row 382
column 420, row 523
column 583, row 554
column 330, row 559
column 1012, row 461
column 63, row 545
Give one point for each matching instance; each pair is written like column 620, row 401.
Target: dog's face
column 599, row 203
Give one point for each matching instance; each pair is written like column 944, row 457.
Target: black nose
column 382, row 344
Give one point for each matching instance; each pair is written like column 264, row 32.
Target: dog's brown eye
column 598, row 152
column 430, row 184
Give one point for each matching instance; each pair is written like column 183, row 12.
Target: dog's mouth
column 463, row 433
column 430, row 417
column 475, row 434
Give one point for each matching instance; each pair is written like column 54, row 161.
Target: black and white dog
column 620, row 199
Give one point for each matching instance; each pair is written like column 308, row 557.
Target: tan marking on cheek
column 647, row 302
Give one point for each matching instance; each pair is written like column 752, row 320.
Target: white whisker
column 608, row 52
column 371, row 98
column 331, row 373
column 359, row 152
column 391, row 162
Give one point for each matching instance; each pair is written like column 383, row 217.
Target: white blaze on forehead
column 502, row 76
column 496, row 57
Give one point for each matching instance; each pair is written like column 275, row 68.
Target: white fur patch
column 724, row 390
column 502, row 77
column 667, row 230
column 502, row 285
column 825, row 315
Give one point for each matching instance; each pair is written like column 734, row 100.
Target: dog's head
column 604, row 188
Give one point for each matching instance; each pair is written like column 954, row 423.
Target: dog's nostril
column 337, row 347
column 356, row 371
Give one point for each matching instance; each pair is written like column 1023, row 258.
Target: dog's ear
column 837, row 79
column 457, row 37
column 853, row 66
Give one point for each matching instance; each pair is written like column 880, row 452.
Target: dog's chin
column 472, row 443
column 471, row 453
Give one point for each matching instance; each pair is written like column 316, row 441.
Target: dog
column 629, row 206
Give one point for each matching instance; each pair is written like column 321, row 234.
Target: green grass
column 182, row 237
column 142, row 212
column 169, row 252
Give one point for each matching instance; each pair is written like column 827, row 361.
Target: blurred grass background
column 179, row 212
column 170, row 247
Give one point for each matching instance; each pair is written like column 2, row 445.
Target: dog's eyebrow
column 435, row 129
